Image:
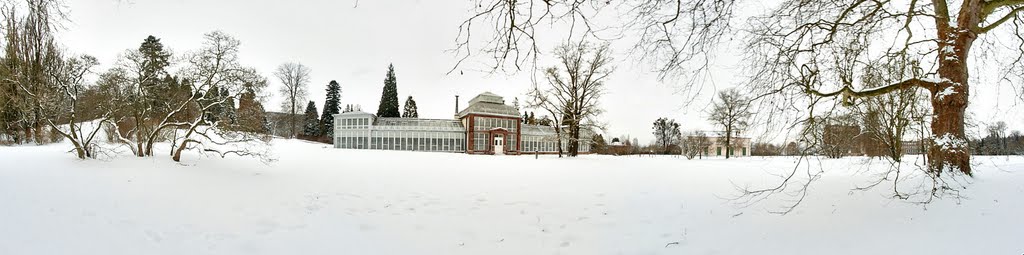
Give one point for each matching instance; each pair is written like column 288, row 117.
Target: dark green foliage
column 230, row 113
column 311, row 126
column 410, row 109
column 389, row 97
column 155, row 60
column 158, row 88
column 332, row 106
column 214, row 113
column 219, row 112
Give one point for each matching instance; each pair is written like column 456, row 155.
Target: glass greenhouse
column 486, row 126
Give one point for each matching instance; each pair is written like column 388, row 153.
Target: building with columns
column 717, row 148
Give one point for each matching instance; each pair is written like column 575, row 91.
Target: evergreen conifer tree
column 154, row 60
column 230, row 114
column 214, row 111
column 389, row 97
column 251, row 115
column 410, row 109
column 311, row 126
column 332, row 106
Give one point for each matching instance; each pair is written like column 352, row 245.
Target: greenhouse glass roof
column 489, row 104
column 418, row 124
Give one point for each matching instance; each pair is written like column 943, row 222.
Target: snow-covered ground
column 320, row 200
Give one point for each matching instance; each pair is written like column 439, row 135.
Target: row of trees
column 998, row 142
column 318, row 126
column 730, row 111
column 389, row 99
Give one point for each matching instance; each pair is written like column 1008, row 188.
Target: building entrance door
column 499, row 145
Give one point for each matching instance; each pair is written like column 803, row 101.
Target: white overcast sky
column 355, row 45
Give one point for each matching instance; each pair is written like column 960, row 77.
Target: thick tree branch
column 1013, row 13
column 849, row 91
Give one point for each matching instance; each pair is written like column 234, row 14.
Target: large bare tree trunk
column 950, row 150
column 558, row 140
column 574, row 140
column 293, row 119
column 728, row 142
column 949, row 105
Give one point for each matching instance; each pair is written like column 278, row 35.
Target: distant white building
column 486, row 126
column 717, row 147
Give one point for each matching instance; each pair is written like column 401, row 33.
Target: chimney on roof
column 456, row 104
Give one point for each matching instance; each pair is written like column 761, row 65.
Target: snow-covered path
column 318, row 200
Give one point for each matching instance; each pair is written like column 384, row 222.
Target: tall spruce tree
column 410, row 109
column 389, row 97
column 332, row 106
column 311, row 126
column 154, row 60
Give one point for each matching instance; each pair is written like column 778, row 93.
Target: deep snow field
column 318, row 200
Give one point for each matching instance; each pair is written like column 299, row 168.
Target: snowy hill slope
column 319, row 200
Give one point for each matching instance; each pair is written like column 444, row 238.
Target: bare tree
column 860, row 33
column 575, row 89
column 886, row 118
column 676, row 37
column 216, row 67
column 791, row 48
column 31, row 52
column 143, row 106
column 147, row 102
column 997, row 136
column 66, row 90
column 212, row 81
column 695, row 144
column 1017, row 142
column 731, row 112
column 49, row 83
column 57, row 101
column 294, row 79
